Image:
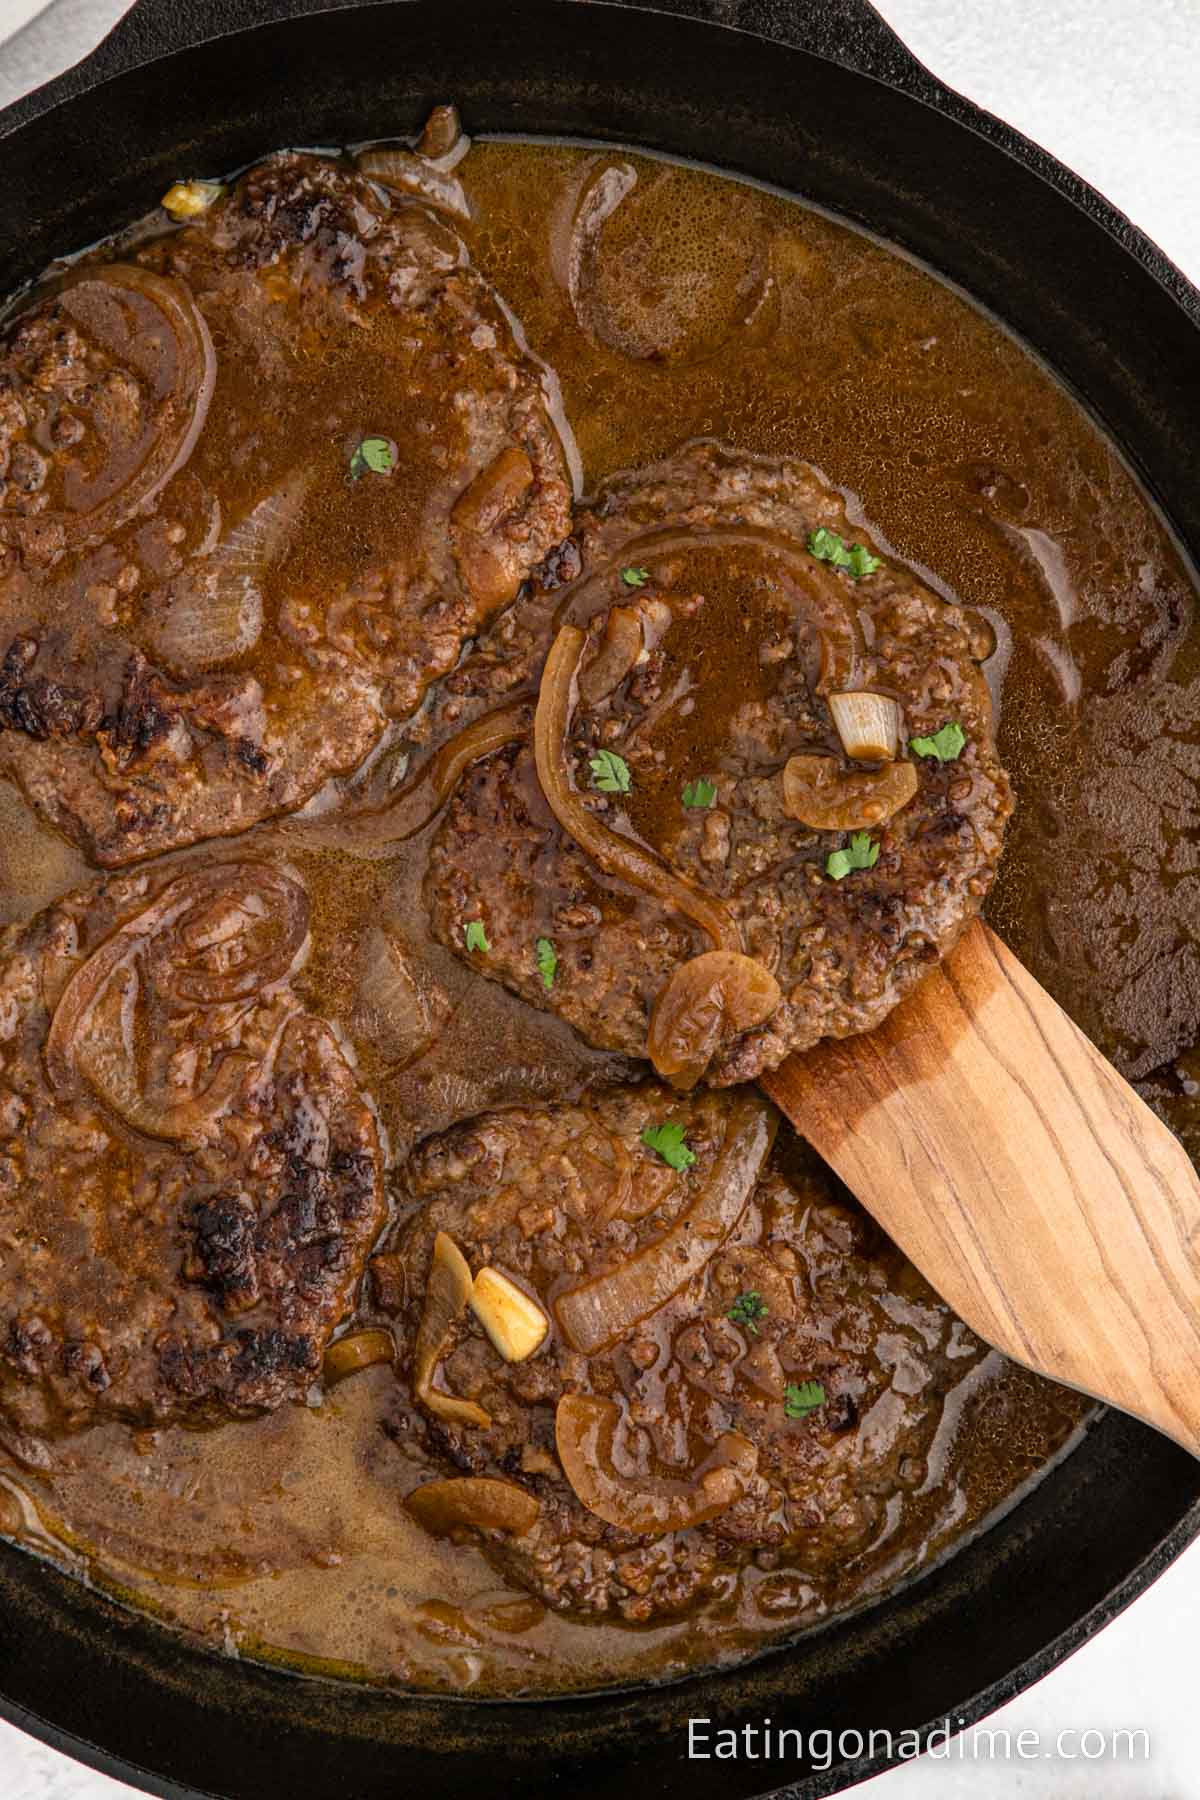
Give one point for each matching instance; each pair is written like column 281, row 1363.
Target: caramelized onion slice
column 207, row 622
column 585, row 1429
column 209, row 937
column 616, row 855
column 709, row 999
column 443, row 140
column 104, row 1057
column 399, row 1005
column 405, row 172
column 441, row 1507
column 357, row 1350
column 600, row 1311
column 372, row 830
column 446, row 1297
column 574, row 249
column 152, row 325
column 487, row 524
column 214, row 611
column 245, row 926
column 619, row 650
column 823, row 795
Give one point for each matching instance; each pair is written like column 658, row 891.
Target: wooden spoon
column 1025, row 1178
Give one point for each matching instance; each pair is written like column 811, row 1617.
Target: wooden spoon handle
column 1024, row 1177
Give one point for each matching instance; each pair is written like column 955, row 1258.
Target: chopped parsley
column 862, row 853
column 547, row 962
column 668, row 1140
column 748, row 1309
column 946, row 744
column 635, row 578
column 610, row 773
column 476, row 937
column 828, row 547
column 699, row 793
column 374, row 454
column 800, row 1399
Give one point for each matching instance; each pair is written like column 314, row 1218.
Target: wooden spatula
column 1029, row 1183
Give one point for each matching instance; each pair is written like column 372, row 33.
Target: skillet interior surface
column 110, row 1687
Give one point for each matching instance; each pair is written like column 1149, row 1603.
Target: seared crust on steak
column 209, row 603
column 190, row 1176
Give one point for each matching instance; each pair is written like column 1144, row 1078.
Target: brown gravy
column 713, row 309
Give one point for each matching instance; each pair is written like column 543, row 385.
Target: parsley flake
column 635, row 578
column 475, row 936
column 699, row 793
column 946, row 744
column 862, row 562
column 862, row 853
column 376, row 455
column 748, row 1309
column 547, row 961
column 800, row 1399
column 610, row 773
column 856, row 559
column 668, row 1140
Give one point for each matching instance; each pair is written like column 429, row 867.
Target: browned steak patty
column 726, row 1308
column 259, row 486
column 715, row 640
column 190, row 1176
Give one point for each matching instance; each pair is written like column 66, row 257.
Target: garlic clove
column 191, row 199
column 515, row 1323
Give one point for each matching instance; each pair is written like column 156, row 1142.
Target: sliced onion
column 213, row 613
column 709, row 1000
column 407, row 173
column 486, row 529
column 616, row 855
column 106, row 1059
column 153, row 325
column 166, row 953
column 599, row 1312
column 599, row 201
column 357, row 1350
column 823, row 795
column 618, row 653
column 206, row 623
column 868, row 725
column 398, row 1006
column 443, row 140
column 446, row 1297
column 412, row 806
column 606, row 1170
column 244, row 926
column 442, row 1507
column 585, row 1429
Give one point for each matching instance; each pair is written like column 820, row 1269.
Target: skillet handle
column 848, row 32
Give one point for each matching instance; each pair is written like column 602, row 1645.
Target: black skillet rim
column 847, row 33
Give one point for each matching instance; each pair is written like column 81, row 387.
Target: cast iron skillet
column 818, row 97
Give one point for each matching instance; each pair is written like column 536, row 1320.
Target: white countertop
column 1110, row 86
